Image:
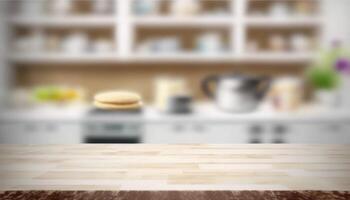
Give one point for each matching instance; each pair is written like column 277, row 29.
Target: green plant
column 323, row 75
column 323, row 78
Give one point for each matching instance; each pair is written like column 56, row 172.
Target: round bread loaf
column 117, row 97
column 106, row 106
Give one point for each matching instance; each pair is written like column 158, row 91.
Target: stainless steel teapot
column 236, row 93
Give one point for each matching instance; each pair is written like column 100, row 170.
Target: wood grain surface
column 176, row 195
column 145, row 167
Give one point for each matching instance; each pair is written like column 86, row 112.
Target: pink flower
column 343, row 65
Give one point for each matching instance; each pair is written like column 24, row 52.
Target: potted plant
column 326, row 75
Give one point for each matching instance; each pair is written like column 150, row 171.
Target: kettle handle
column 263, row 87
column 205, row 85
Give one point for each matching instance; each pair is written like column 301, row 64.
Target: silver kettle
column 236, row 93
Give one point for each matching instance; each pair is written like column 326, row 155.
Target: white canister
column 327, row 98
column 286, row 93
column 167, row 45
column 185, row 7
column 299, row 43
column 77, row 42
column 210, row 42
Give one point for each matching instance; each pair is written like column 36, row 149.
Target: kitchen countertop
column 143, row 167
column 202, row 112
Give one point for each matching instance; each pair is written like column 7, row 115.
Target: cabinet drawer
column 39, row 133
column 113, row 129
column 331, row 133
column 195, row 133
column 168, row 133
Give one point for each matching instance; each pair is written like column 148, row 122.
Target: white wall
column 4, row 69
column 337, row 21
column 2, row 50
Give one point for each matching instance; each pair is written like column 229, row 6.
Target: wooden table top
column 175, row 167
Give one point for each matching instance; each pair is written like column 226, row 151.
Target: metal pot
column 236, row 93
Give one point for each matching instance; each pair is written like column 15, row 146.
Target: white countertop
column 202, row 112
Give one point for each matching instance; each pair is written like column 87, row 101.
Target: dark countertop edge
column 179, row 195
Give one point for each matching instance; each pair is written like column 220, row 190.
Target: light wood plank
column 175, row 167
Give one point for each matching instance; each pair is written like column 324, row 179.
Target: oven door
column 112, row 133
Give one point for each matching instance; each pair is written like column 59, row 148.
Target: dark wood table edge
column 177, row 195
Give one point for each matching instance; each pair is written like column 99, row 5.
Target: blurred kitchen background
column 208, row 71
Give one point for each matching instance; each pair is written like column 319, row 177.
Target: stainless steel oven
column 110, row 132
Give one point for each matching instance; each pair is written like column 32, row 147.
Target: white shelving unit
column 278, row 57
column 65, row 58
column 71, row 21
column 185, row 57
column 124, row 24
column 283, row 22
column 203, row 21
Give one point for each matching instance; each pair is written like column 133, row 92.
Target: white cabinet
column 300, row 133
column 34, row 132
column 215, row 133
column 40, row 133
column 313, row 133
column 225, row 133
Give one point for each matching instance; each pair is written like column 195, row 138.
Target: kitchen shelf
column 69, row 21
column 178, row 57
column 115, row 58
column 183, row 57
column 126, row 27
column 183, row 21
column 65, row 58
column 278, row 57
column 227, row 57
column 283, row 22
